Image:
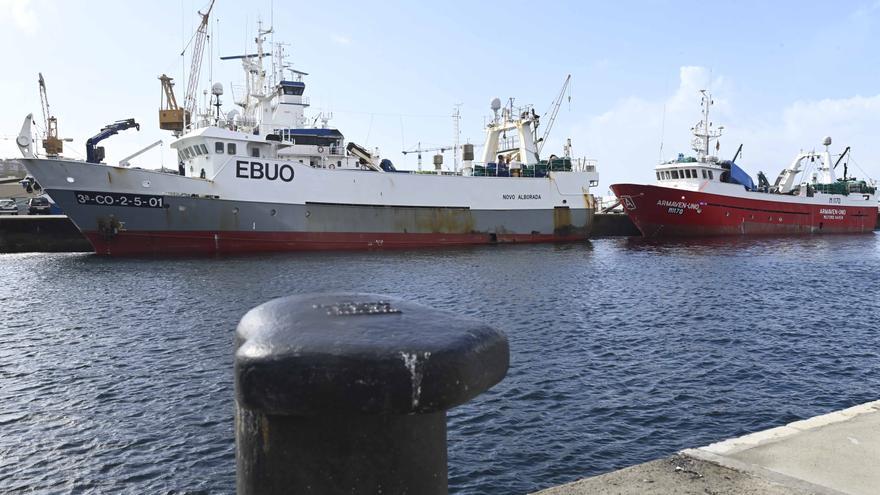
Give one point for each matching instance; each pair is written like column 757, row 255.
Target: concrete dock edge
column 831, row 454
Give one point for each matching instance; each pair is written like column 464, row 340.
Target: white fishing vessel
column 259, row 178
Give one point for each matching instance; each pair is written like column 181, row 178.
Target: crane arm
column 168, row 90
column 126, row 162
column 196, row 66
column 44, row 101
column 554, row 110
column 95, row 154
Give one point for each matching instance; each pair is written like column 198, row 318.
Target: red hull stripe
column 199, row 242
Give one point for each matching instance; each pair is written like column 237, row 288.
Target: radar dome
column 495, row 105
column 217, row 89
column 826, row 141
column 232, row 115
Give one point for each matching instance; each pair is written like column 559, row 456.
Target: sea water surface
column 116, row 374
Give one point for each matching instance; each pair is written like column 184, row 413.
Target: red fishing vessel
column 705, row 196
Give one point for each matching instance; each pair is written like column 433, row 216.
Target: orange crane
column 171, row 116
column 52, row 143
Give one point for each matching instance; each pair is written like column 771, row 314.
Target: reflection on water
column 116, row 375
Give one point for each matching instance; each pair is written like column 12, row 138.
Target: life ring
column 320, row 149
column 332, row 166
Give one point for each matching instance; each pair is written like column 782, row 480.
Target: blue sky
column 784, row 74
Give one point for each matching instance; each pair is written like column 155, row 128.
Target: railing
column 492, row 169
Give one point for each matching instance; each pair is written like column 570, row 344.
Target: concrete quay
column 836, row 453
column 41, row 234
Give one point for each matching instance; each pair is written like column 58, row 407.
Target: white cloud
column 626, row 138
column 803, row 124
column 20, row 13
column 340, row 39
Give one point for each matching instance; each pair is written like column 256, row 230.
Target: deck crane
column 52, row 144
column 189, row 102
column 173, row 117
column 554, row 109
column 418, row 149
column 95, row 153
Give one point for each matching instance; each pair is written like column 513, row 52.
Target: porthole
column 235, row 211
column 726, row 213
column 145, row 183
column 273, row 212
column 181, row 208
column 71, row 180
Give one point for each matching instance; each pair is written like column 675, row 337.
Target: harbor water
column 116, row 374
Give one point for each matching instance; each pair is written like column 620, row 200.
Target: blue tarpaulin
column 739, row 176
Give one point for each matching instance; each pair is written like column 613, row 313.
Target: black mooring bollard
column 347, row 393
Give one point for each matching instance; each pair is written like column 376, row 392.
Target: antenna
column 662, row 133
column 456, row 134
column 703, row 132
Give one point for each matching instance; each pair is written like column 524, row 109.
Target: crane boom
column 418, row 149
column 44, row 100
column 554, row 110
column 95, row 153
column 196, row 66
column 52, row 144
column 171, row 116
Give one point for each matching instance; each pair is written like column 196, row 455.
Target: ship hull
column 671, row 212
column 208, row 226
column 204, row 226
column 125, row 212
column 206, row 243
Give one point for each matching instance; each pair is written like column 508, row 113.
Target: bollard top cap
column 350, row 353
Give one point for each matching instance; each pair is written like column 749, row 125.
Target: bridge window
column 197, row 150
column 218, row 147
column 658, row 176
column 230, row 148
column 711, row 177
column 704, row 174
column 675, row 174
column 694, row 173
column 204, row 149
column 293, row 90
column 255, row 152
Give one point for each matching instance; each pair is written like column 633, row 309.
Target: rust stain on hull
column 444, row 221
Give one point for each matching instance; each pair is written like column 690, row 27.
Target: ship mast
column 703, row 131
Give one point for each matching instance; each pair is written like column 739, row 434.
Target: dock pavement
column 836, row 453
